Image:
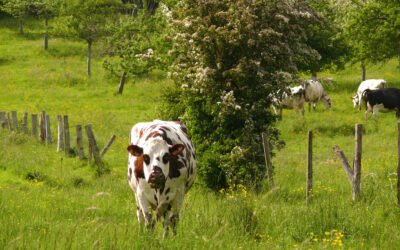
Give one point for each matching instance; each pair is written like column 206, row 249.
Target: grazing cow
column 314, row 92
column 382, row 99
column 161, row 169
column 364, row 85
column 292, row 99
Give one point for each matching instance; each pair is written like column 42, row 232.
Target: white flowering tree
column 230, row 56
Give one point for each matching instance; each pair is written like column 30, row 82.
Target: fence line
column 63, row 137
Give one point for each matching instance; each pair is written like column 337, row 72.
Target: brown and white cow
column 161, row 169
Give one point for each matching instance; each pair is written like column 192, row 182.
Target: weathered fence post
column 42, row 126
column 398, row 164
column 93, row 145
column 354, row 175
column 67, row 144
column 14, row 120
column 34, row 124
column 48, row 131
column 79, row 142
column 60, row 137
column 8, row 121
column 309, row 168
column 3, row 119
column 105, row 149
column 268, row 163
column 25, row 123
column 357, row 162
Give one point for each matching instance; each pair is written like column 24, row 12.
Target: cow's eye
column 146, row 159
column 165, row 158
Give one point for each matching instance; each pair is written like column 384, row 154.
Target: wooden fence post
column 105, row 149
column 398, row 164
column 42, row 126
column 60, row 137
column 48, row 131
column 79, row 142
column 67, row 142
column 14, row 121
column 3, row 119
column 93, row 145
column 8, row 121
column 268, row 163
column 34, row 124
column 25, row 123
column 357, row 162
column 309, row 168
column 354, row 175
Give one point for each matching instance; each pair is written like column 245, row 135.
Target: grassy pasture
column 48, row 201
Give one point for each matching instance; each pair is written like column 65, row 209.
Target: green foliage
column 229, row 58
column 137, row 44
column 19, row 9
column 373, row 30
column 326, row 36
column 86, row 19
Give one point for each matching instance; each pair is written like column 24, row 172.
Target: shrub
column 230, row 58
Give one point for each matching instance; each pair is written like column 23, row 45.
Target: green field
column 49, row 201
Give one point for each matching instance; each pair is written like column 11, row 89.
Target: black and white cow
column 161, row 169
column 364, row 85
column 381, row 100
column 293, row 98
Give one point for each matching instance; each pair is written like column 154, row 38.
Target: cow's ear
column 176, row 149
column 135, row 150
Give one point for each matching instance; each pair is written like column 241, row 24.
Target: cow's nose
column 157, row 170
column 156, row 178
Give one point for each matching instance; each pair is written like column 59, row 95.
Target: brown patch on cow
column 141, row 133
column 167, row 198
column 138, row 163
column 174, row 166
column 167, row 191
column 135, row 150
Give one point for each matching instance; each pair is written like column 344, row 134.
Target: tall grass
column 49, row 201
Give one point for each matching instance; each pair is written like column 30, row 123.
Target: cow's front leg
column 145, row 213
column 170, row 219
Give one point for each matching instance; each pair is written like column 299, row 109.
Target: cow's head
column 355, row 101
column 156, row 154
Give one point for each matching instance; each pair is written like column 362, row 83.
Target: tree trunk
column 363, row 72
column 21, row 25
column 89, row 58
column 314, row 76
column 46, row 37
column 122, row 83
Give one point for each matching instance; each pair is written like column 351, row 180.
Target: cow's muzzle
column 156, row 178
